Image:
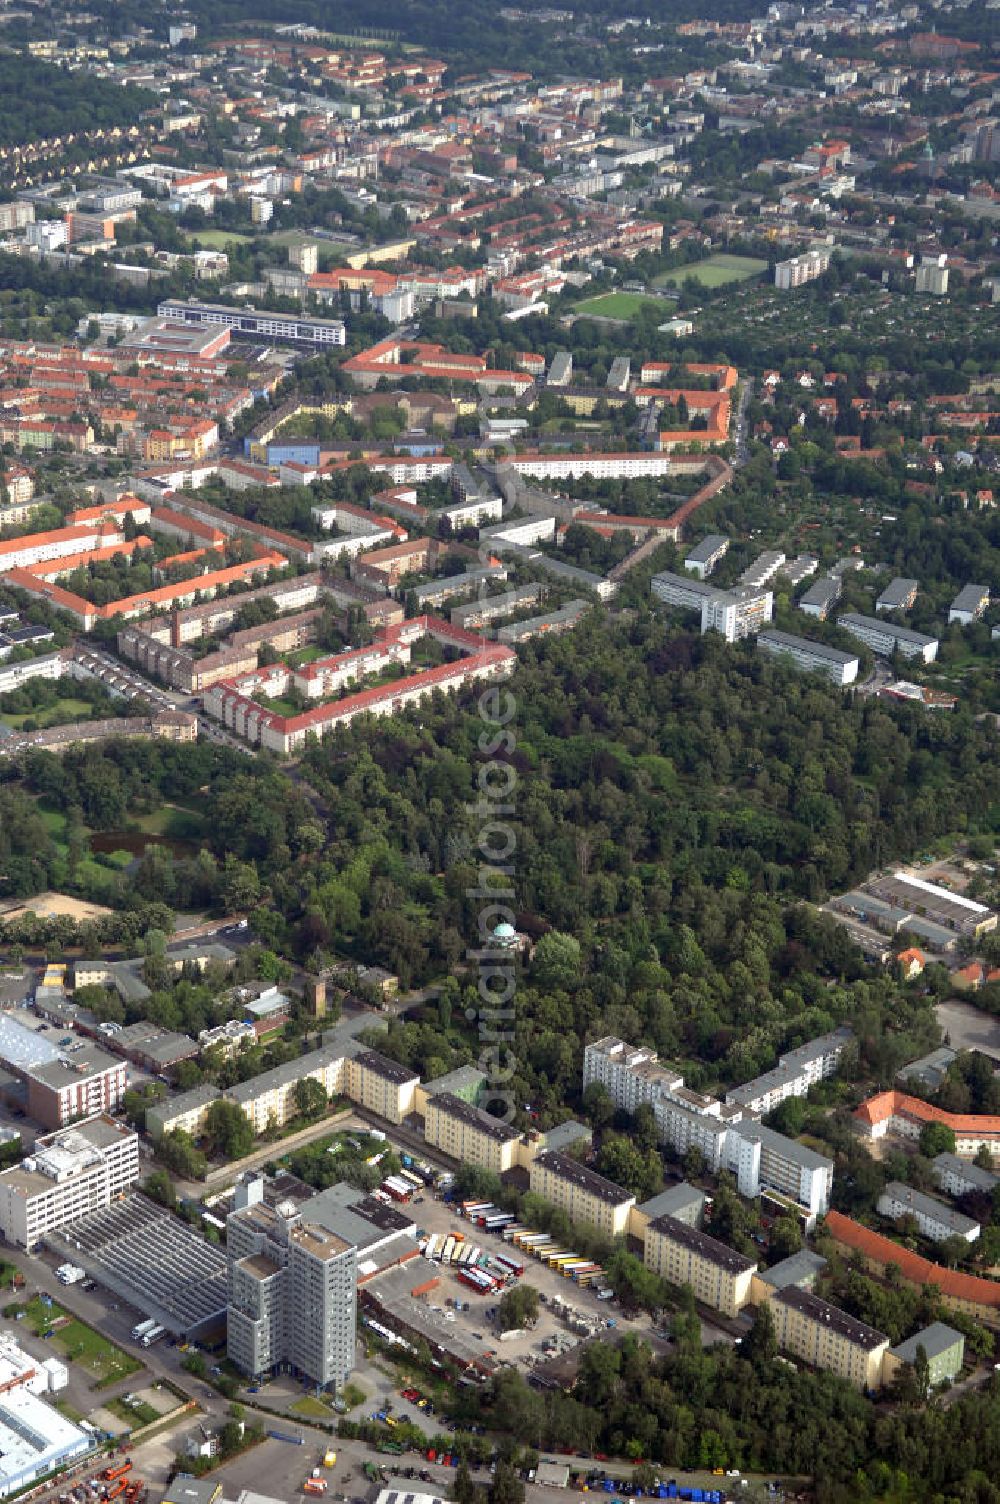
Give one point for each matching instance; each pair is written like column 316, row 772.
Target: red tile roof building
column 977, row 1297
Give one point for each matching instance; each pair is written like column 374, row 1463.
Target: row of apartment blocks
column 285, row 734
column 674, row 1245
column 728, row 1134
column 805, row 1326
column 344, row 1067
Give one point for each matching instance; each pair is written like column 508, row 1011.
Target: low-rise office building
column 585, row 1196
column 814, row 657
column 68, row 1173
column 75, row 1085
column 683, row 1201
column 827, row 1338
column 718, row 1275
column 469, row 1135
column 800, row 1270
column 935, row 1219
column 886, row 638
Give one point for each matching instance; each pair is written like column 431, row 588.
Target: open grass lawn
column 78, row 1343
column 311, row 1408
column 58, row 714
column 217, row 240
column 173, row 820
column 302, row 656
column 619, row 305
column 279, row 706
column 714, row 271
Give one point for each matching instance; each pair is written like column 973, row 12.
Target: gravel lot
column 968, row 1027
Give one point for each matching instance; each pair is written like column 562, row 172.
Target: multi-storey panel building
column 718, row 1275
column 582, row 1194
column 292, row 1293
column 68, row 1174
column 469, row 1135
column 828, row 1338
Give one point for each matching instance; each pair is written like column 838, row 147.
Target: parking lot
column 436, row 1216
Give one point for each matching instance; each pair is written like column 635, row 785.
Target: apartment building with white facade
column 292, row 1293
column 796, row 1071
column 764, row 1160
column 934, row 1218
column 885, row 637
column 813, row 657
column 727, row 1134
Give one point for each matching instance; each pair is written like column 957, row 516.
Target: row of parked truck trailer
column 538, row 1245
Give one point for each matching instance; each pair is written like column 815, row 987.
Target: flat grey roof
column 165, row 1046
column 821, row 592
column 686, row 582
column 672, row 1201
column 787, row 1148
column 89, row 1061
column 896, row 593
column 567, row 1133
column 880, row 624
column 970, row 597
column 706, row 549
column 930, row 1068
column 23, row 1048
column 452, row 1083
